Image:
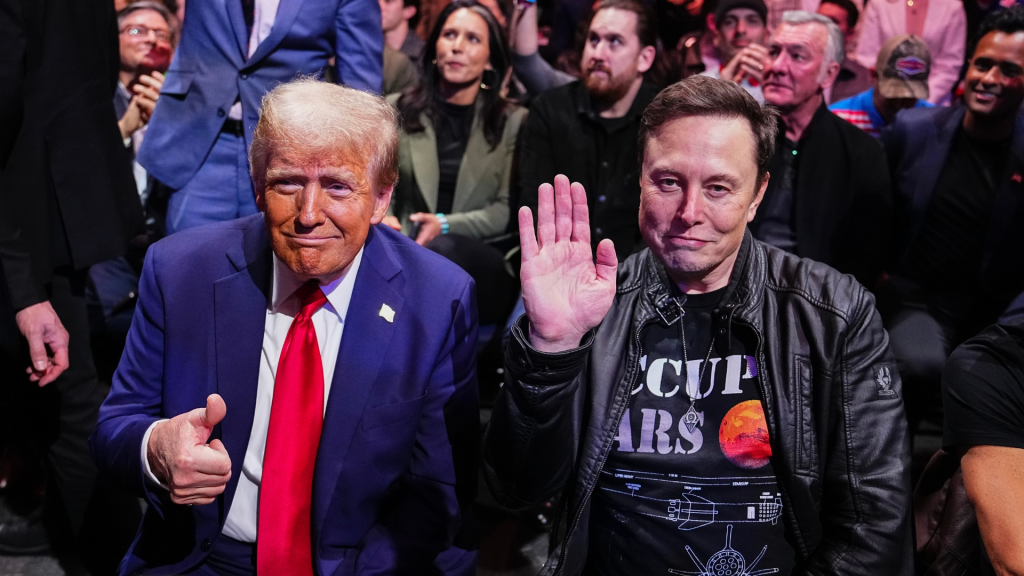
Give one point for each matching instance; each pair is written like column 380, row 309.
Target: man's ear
column 758, row 197
column 261, row 198
column 380, row 205
column 646, row 58
column 831, row 73
column 408, row 12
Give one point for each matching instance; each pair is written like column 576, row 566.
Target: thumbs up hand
column 195, row 472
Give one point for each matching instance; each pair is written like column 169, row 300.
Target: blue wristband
column 444, row 222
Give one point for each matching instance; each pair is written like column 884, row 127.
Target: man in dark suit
column 231, row 53
column 351, row 424
column 66, row 202
column 828, row 197
column 957, row 174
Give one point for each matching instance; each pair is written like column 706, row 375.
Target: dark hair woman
column 457, row 145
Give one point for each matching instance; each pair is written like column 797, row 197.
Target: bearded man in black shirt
column 713, row 405
column 957, row 175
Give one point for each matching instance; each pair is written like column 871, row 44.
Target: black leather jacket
column 829, row 386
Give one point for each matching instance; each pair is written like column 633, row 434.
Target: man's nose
column 741, row 28
column 992, row 76
column 310, row 212
column 691, row 211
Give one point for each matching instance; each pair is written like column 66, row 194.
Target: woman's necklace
column 691, row 418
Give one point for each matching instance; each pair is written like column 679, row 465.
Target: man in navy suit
column 231, row 53
column 959, row 204
column 341, row 419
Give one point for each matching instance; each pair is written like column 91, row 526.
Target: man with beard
column 828, row 198
column 740, row 40
column 587, row 129
column 957, row 172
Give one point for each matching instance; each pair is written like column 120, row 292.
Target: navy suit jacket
column 396, row 466
column 210, row 71
column 918, row 144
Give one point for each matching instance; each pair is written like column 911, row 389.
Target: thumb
column 207, row 418
column 607, row 263
column 416, row 217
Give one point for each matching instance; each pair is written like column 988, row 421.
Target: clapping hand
column 565, row 292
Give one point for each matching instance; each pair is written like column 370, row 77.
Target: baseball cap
column 903, row 66
column 724, row 6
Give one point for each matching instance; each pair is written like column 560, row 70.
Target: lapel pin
column 387, row 313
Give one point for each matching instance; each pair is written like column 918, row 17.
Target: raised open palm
column 565, row 292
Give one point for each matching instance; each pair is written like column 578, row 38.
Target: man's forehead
column 614, row 21
column 1000, row 45
column 145, row 16
column 323, row 159
column 673, row 145
column 742, row 14
column 810, row 35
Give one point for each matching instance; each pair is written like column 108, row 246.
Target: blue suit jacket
column 918, row 144
column 396, row 466
column 210, row 71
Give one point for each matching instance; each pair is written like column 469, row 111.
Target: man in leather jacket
column 619, row 380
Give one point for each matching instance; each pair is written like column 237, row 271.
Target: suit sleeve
column 427, row 525
column 359, row 45
column 866, row 508
column 136, row 392
column 492, row 220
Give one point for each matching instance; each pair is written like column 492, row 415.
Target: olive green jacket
column 480, row 208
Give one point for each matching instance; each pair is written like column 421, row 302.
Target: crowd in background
column 898, row 161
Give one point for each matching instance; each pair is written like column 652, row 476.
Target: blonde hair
column 308, row 113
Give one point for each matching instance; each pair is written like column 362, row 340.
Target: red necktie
column 283, row 544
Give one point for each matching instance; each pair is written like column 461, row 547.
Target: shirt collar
column 338, row 292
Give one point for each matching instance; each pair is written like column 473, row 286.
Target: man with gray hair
column 829, row 195
column 290, row 400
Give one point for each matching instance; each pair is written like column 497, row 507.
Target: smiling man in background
column 959, row 260
column 740, row 39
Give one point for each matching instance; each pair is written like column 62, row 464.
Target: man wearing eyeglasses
column 146, row 43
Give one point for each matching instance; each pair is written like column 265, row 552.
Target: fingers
column 527, row 239
column 58, row 343
column 580, row 214
column 607, row 263
column 417, row 217
column 207, row 465
column 545, row 215
column 563, row 209
column 37, row 350
column 197, row 496
column 151, row 81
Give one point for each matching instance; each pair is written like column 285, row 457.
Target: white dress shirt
column 329, row 323
column 264, row 12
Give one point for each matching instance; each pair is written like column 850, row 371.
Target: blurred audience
column 853, row 78
column 532, row 70
column 958, row 261
column 740, row 38
column 900, row 81
column 399, row 72
column 68, row 201
column 227, row 60
column 456, row 150
column 942, row 25
column 828, row 196
column 399, row 19
column 587, row 129
column 983, row 384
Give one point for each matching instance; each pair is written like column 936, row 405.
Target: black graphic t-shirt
column 688, row 487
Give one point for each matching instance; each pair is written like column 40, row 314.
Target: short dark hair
column 159, row 8
column 1008, row 21
column 852, row 14
column 415, row 17
column 706, row 96
column 646, row 29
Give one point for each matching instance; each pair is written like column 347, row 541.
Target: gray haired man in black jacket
column 714, row 405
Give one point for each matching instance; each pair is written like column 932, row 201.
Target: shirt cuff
column 150, row 477
column 534, row 366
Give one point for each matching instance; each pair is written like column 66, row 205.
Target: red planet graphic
column 743, row 435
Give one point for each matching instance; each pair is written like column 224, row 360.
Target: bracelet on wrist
column 444, row 222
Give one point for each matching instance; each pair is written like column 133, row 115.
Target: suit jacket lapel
column 287, row 12
column 364, row 346
column 238, row 28
column 472, row 167
column 1005, row 217
column 240, row 305
column 423, row 151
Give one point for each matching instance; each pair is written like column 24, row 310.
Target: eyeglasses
column 140, row 32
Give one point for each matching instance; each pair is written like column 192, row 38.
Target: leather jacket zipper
column 769, row 419
column 605, row 451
